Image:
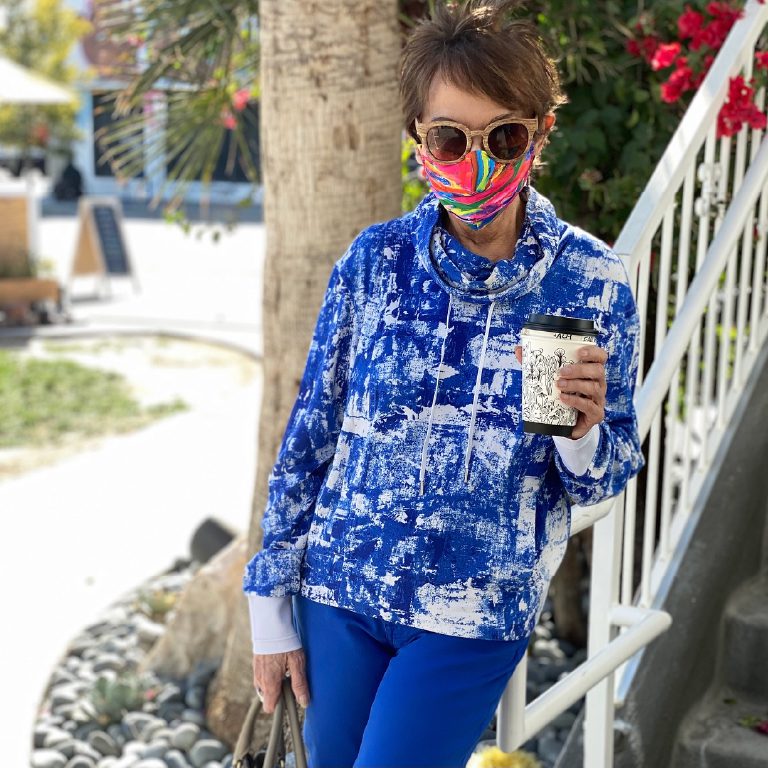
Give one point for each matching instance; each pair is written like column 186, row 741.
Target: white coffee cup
column 550, row 342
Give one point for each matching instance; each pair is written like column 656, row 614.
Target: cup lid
column 537, row 322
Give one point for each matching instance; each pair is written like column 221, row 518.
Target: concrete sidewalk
column 187, row 285
column 83, row 531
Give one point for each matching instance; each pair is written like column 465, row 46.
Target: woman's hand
column 582, row 385
column 269, row 669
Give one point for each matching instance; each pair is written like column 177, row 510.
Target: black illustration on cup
column 549, row 342
column 540, row 401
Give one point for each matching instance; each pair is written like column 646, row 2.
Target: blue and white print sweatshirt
column 405, row 487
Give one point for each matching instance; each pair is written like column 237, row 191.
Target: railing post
column 603, row 596
column 510, row 719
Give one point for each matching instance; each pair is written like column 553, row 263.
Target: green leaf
column 750, row 721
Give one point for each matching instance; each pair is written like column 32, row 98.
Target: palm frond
column 199, row 54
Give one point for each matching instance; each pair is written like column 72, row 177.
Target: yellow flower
column 493, row 757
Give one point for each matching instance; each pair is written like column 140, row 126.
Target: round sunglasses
column 505, row 140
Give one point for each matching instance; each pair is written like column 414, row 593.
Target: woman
column 412, row 527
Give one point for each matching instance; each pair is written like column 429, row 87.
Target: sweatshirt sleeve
column 618, row 455
column 307, row 448
column 272, row 629
column 577, row 454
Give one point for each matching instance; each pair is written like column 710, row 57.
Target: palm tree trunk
column 330, row 157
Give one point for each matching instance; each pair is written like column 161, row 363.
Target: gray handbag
column 250, row 755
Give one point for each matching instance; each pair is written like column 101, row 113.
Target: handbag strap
column 246, row 731
column 275, row 746
column 294, row 724
column 275, row 736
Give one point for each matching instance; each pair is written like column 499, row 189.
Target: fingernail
column 304, row 701
column 583, row 352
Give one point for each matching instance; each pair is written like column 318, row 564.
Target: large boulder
column 199, row 625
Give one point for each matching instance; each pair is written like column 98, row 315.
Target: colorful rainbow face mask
column 477, row 188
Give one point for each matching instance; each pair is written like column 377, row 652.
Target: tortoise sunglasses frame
column 530, row 124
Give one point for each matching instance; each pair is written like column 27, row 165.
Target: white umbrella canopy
column 19, row 85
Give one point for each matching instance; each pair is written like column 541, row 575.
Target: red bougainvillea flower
column 670, row 92
column 648, row 47
column 739, row 109
column 689, row 23
column 761, row 59
column 725, row 11
column 713, row 34
column 706, row 29
column 680, row 81
column 644, row 47
column 665, row 55
column 240, row 99
column 228, row 120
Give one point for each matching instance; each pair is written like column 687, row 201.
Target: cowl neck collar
column 472, row 277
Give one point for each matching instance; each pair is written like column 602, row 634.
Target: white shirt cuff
column 577, row 455
column 272, row 629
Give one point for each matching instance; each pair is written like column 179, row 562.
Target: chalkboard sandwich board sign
column 101, row 245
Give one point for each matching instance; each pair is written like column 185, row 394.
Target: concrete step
column 712, row 736
column 745, row 651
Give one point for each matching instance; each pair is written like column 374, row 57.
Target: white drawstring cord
column 480, row 365
column 423, row 469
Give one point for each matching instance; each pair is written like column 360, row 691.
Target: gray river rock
column 168, row 729
column 48, row 758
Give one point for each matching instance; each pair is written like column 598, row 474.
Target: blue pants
column 384, row 695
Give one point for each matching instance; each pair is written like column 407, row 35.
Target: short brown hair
column 476, row 45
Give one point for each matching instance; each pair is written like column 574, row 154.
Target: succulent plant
column 156, row 603
column 112, row 698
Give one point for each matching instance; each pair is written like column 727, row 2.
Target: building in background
column 106, row 65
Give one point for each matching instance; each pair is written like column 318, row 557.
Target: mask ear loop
column 527, row 182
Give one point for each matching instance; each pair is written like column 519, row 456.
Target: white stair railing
column 703, row 215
